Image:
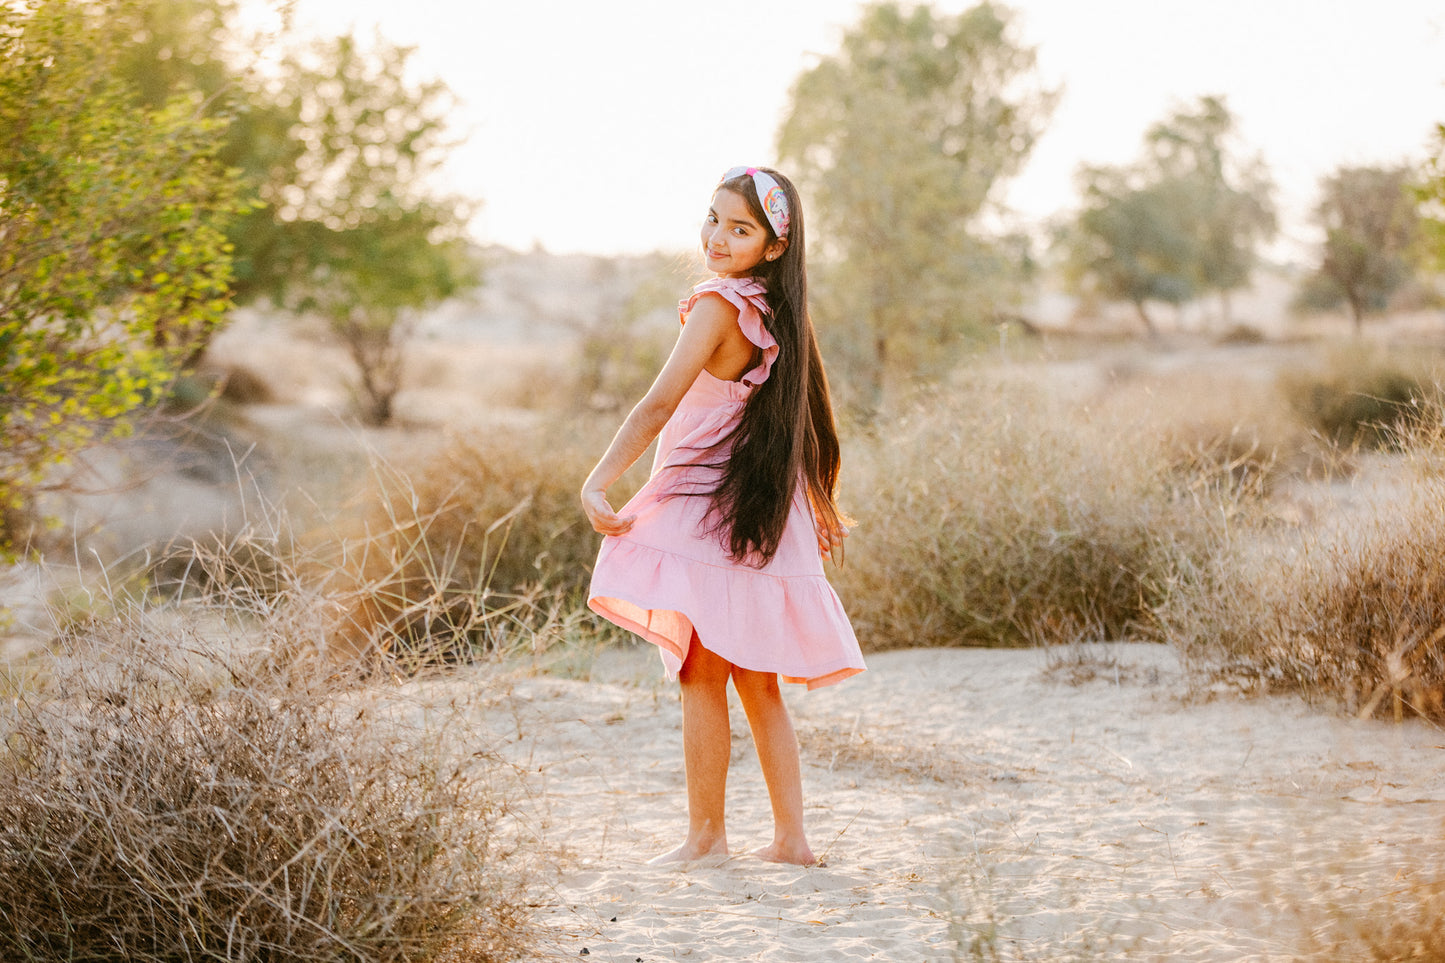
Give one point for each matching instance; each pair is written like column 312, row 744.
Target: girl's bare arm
column 709, row 325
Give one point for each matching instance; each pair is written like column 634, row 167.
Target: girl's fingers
column 604, row 520
column 830, row 539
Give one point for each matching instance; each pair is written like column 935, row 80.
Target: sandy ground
column 977, row 804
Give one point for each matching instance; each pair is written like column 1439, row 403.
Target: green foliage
column 114, row 263
column 339, row 146
column 898, row 142
column 173, row 45
column 368, row 248
column 1182, row 221
column 1130, row 242
column 1431, row 194
column 1370, row 223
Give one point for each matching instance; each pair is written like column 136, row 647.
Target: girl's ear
column 776, row 248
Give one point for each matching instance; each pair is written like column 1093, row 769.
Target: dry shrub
column 170, row 796
column 988, row 516
column 1354, row 611
column 1360, row 396
column 463, row 551
column 476, row 548
column 1232, row 425
column 1404, row 927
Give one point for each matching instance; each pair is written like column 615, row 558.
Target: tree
column 1371, row 226
column 113, row 256
column 173, row 45
column 899, row 142
column 1184, row 220
column 368, row 247
column 1130, row 243
column 339, row 146
column 1223, row 200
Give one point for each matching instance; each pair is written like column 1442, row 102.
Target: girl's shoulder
column 747, row 295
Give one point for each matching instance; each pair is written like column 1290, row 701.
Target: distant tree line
column 154, row 172
column 903, row 140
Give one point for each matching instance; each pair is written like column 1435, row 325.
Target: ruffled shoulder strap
column 749, row 296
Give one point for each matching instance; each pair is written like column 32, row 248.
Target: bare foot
column 712, row 851
column 797, row 854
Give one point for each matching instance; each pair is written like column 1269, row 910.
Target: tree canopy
column 365, row 242
column 114, row 261
column 1370, row 223
column 1185, row 220
column 899, row 142
column 341, row 148
column 1431, row 194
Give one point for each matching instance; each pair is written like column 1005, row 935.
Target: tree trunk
column 1148, row 322
column 876, row 376
column 1357, row 314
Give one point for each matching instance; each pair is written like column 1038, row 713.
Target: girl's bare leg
column 706, row 750
column 778, row 753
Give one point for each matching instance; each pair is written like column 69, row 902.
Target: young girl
column 718, row 559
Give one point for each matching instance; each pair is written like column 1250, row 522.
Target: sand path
column 980, row 804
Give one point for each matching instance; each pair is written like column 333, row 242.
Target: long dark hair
column 786, row 433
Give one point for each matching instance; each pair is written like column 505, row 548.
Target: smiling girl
column 718, row 559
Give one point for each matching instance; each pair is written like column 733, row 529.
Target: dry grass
column 1360, row 396
column 1404, row 927
column 1353, row 611
column 1235, row 427
column 482, row 548
column 170, row 792
column 990, row 516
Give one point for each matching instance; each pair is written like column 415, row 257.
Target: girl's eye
column 740, row 231
column 712, row 218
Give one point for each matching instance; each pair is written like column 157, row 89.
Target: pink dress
column 670, row 582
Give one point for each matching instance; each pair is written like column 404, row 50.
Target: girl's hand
column 601, row 515
column 829, row 539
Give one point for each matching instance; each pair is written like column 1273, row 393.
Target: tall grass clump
column 170, row 790
column 476, row 547
column 989, row 515
column 1352, row 611
column 1359, row 397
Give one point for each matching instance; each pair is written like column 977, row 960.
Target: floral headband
column 770, row 195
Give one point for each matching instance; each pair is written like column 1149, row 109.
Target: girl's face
column 733, row 242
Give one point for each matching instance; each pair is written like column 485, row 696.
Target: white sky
column 602, row 125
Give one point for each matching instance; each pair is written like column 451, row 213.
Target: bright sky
column 602, row 125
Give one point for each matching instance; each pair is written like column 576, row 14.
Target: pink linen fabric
column 668, row 581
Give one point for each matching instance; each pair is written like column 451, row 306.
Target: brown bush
column 1405, row 926
column 1354, row 611
column 477, row 548
column 988, row 516
column 1359, row 397
column 163, row 797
